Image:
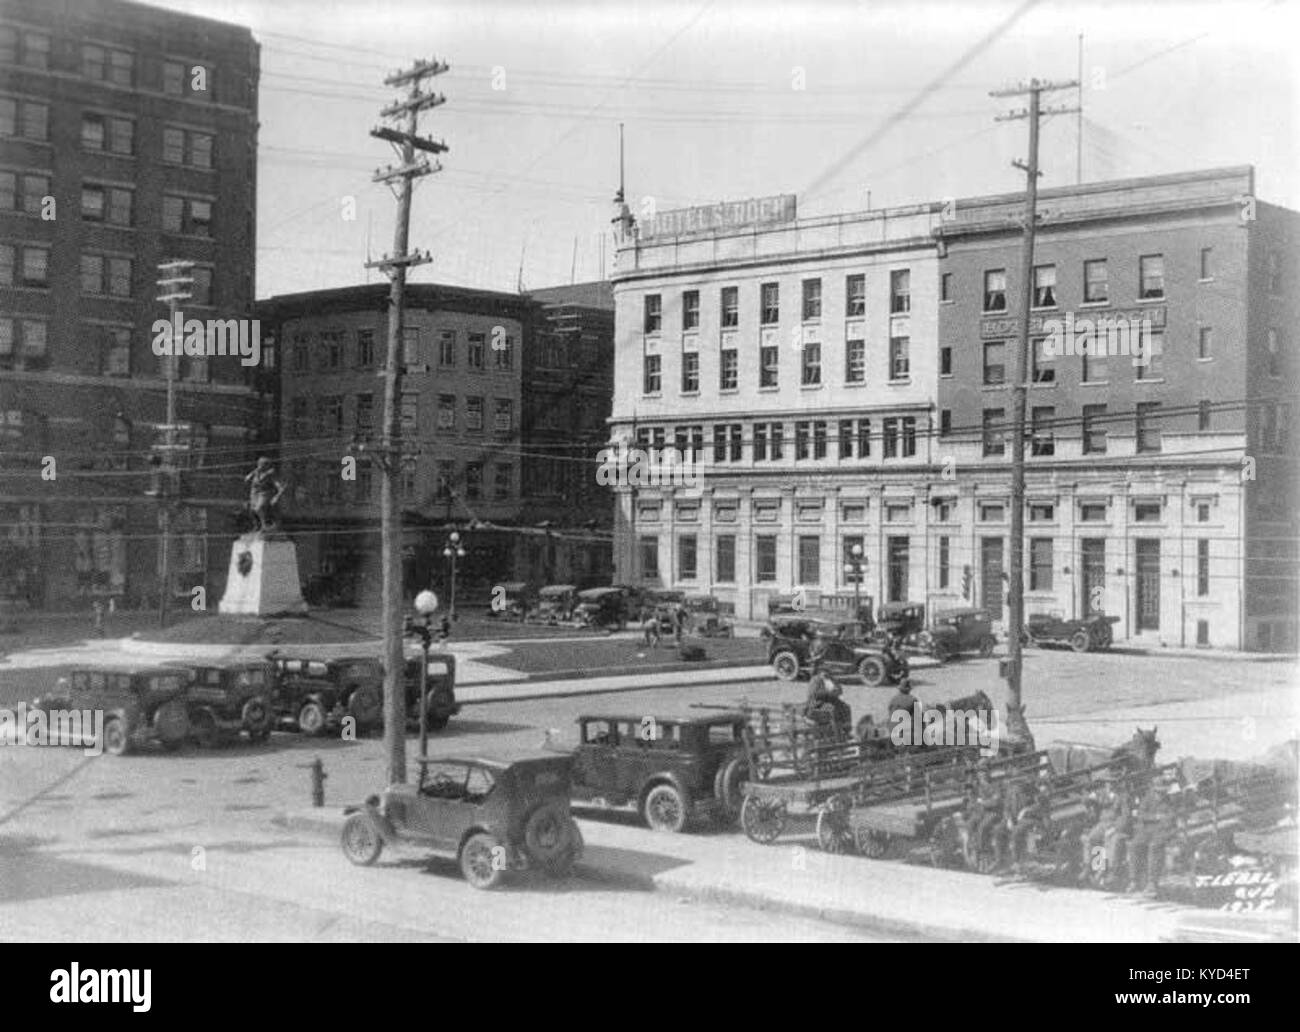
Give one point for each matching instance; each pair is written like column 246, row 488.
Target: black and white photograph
column 677, row 471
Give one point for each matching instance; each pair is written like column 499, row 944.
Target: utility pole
column 406, row 142
column 1016, row 586
column 174, row 282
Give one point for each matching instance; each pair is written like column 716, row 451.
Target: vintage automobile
column 901, row 624
column 670, row 770
column 511, row 600
column 439, row 690
column 490, row 816
column 1082, row 635
column 961, row 630
column 222, row 701
column 706, row 618
column 602, row 608
column 799, row 644
column 140, row 705
column 315, row 695
column 555, row 603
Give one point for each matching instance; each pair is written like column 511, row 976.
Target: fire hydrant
column 318, row 777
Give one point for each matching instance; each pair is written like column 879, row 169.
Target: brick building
column 128, row 137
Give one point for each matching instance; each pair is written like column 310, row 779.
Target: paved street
column 98, row 848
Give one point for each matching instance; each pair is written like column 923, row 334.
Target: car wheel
column 478, row 861
column 116, row 742
column 987, row 645
column 361, row 842
column 546, row 834
column 1081, row 641
column 437, row 712
column 872, row 670
column 729, row 787
column 940, row 652
column 256, row 718
column 664, row 809
column 204, row 728
column 786, row 665
column 563, row 866
column 366, row 706
column 311, row 719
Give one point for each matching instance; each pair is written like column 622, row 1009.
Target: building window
column 329, row 415
column 410, row 414
column 889, row 439
column 1042, row 439
column 102, row 133
column 1152, row 366
column 1043, row 371
column 1040, row 564
column 900, row 291
column 765, row 559
column 690, row 372
column 106, row 65
column 33, row 270
column 650, row 381
column 1205, row 343
column 1203, row 409
column 686, row 557
column 649, row 549
column 810, row 365
column 994, row 431
column 1151, row 276
column 992, row 512
column 365, row 349
column 1096, row 283
column 769, row 361
column 1146, row 512
column 503, row 352
column 819, row 439
column 109, row 204
column 503, row 418
column 945, row 422
column 28, row 119
column 899, row 357
column 186, row 215
column 896, row 558
column 473, row 481
column 946, row 287
column 1092, row 512
column 1042, row 512
column 855, row 295
column 767, row 511
column 802, row 438
column 809, row 559
column 1044, row 286
column 1094, row 430
column 945, row 361
column 1202, row 567
column 995, row 290
column 365, row 413
column 724, row 551
column 24, row 47
column 446, row 475
column 945, row 560
column 730, row 306
column 770, row 303
column 446, row 411
column 995, row 362
column 1207, row 263
column 503, row 478
column 812, row 299
column 1094, row 368
column 1202, row 512
column 301, row 352
column 855, row 361
column 729, row 369
column 776, row 441
column 201, row 287
column 331, row 351
column 654, row 313
column 473, row 413
column 447, row 348
column 760, row 442
column 475, row 350
column 690, row 309
column 1147, row 426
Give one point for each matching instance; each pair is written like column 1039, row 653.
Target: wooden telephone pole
column 411, row 167
column 174, row 284
column 1016, row 587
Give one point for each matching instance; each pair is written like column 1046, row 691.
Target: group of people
column 652, row 618
column 1001, row 815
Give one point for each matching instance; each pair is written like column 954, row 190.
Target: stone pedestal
column 263, row 578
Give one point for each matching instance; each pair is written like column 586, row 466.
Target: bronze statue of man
column 264, row 491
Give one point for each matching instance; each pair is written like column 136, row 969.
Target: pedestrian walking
column 650, row 629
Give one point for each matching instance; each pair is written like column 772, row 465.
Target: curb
column 612, row 690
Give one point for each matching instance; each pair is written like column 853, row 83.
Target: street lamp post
column 426, row 603
column 856, row 570
column 453, row 551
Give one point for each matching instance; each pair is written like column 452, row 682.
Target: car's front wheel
column 116, row 741
column 664, row 809
column 786, row 665
column 311, row 719
column 481, row 861
column 872, row 670
column 1081, row 641
column 361, row 842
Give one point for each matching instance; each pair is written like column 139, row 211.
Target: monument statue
column 264, row 491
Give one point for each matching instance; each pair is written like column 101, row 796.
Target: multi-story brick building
column 844, row 381
column 128, row 137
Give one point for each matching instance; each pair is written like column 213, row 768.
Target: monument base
column 263, row 578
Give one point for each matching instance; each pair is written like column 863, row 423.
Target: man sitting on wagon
column 983, row 815
column 1157, row 823
column 825, row 696
column 1028, row 809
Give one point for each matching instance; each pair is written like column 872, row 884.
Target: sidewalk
column 886, row 896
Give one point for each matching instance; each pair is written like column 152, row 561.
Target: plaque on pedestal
column 263, row 578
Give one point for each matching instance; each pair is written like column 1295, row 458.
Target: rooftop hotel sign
column 710, row 218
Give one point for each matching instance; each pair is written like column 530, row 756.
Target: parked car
column 706, row 617
column 490, row 816
column 1083, row 635
column 315, row 695
column 962, row 630
column 511, row 601
column 602, row 608
column 800, row 644
column 439, row 690
column 901, row 624
column 555, row 603
column 225, row 700
column 140, row 705
column 670, row 770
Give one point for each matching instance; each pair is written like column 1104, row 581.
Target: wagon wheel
column 833, row 833
column 871, row 843
column 945, row 844
column 762, row 819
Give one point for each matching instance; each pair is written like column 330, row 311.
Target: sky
column 846, row 104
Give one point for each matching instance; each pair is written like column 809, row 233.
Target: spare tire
column 729, row 787
column 548, row 833
column 256, row 717
column 366, row 705
column 171, row 722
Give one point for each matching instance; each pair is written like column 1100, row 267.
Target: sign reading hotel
column 709, row 218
